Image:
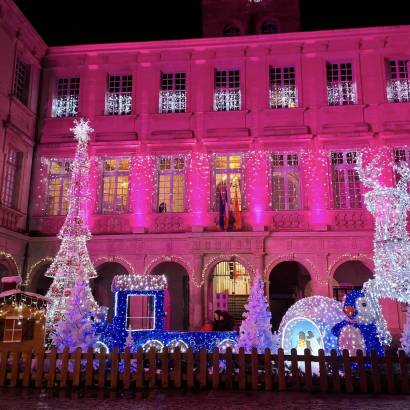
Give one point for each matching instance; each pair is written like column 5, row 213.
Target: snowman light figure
column 359, row 331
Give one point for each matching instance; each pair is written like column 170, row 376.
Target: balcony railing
column 172, row 101
column 118, row 103
column 9, row 218
column 283, row 97
column 341, row 93
column 398, row 90
column 227, row 99
column 65, row 106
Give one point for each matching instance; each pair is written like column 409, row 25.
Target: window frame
column 125, row 92
column 405, row 80
column 21, row 87
column 66, row 95
column 116, row 174
column 172, row 172
column 331, row 83
column 10, row 191
column 15, row 319
column 227, row 92
column 282, row 84
column 240, row 171
column 345, row 167
column 64, row 177
column 168, row 95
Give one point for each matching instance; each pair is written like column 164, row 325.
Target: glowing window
column 11, row 179
column 21, row 81
column 59, row 176
column 398, row 85
column 13, row 330
column 140, row 312
column 118, row 99
column 171, row 184
column 115, row 185
column 65, row 104
column 347, row 193
column 282, row 93
column 341, row 89
column 172, row 96
column 228, row 176
column 227, row 93
column 285, row 182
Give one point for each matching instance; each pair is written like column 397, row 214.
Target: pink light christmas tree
column 73, row 262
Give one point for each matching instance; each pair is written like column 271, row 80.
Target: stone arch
column 177, row 294
column 36, row 280
column 172, row 258
column 127, row 265
column 209, row 267
column 9, row 264
column 289, row 281
column 101, row 285
column 365, row 259
column 306, row 263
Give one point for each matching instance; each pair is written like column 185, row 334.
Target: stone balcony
column 11, row 219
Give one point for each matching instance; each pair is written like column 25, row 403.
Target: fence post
column 64, row 367
column 89, row 369
column 268, row 369
column 377, row 388
column 114, row 368
column 281, row 370
column 347, row 366
column 52, row 357
column 27, row 368
column 177, row 367
column 102, row 360
column 15, row 368
column 389, row 371
column 152, row 369
column 404, row 375
column 255, row 369
column 295, row 369
column 229, row 368
column 308, row 370
column 126, row 357
column 3, row 366
column 140, row 368
column 362, row 371
column 40, row 367
column 77, row 367
column 165, row 368
column 323, row 373
column 190, row 368
column 203, row 367
column 215, row 368
column 242, row 369
column 334, row 359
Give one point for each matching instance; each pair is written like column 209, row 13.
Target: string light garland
column 34, row 266
column 10, row 258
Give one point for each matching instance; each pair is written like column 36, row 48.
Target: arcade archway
column 39, row 282
column 287, row 283
column 349, row 276
column 177, row 295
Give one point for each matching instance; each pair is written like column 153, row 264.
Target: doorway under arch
column 4, row 271
column 101, row 285
column 39, row 282
column 287, row 283
column 229, row 288
column 176, row 296
column 350, row 275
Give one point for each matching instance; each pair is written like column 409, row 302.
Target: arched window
column 268, row 27
column 230, row 31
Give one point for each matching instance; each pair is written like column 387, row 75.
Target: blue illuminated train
column 139, row 319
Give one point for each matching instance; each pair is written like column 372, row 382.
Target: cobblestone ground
column 22, row 399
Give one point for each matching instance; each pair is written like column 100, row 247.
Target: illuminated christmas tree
column 256, row 328
column 72, row 260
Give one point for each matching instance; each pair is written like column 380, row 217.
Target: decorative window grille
column 282, row 93
column 227, row 94
column 228, row 177
column 231, row 31
column 401, row 155
column 171, row 184
column 268, row 27
column 115, row 185
column 118, row 99
column 347, row 192
column 172, row 96
column 11, row 179
column 398, row 85
column 65, row 104
column 13, row 329
column 285, row 182
column 21, row 81
column 341, row 89
column 59, row 176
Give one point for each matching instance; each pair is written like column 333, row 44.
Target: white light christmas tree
column 405, row 336
column 76, row 329
column 256, row 329
column 72, row 260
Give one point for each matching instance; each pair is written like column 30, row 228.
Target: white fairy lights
column 139, row 282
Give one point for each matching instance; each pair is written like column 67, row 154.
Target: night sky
column 90, row 21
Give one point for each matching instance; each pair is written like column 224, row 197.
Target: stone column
column 196, row 297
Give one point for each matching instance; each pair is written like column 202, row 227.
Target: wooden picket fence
column 271, row 372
